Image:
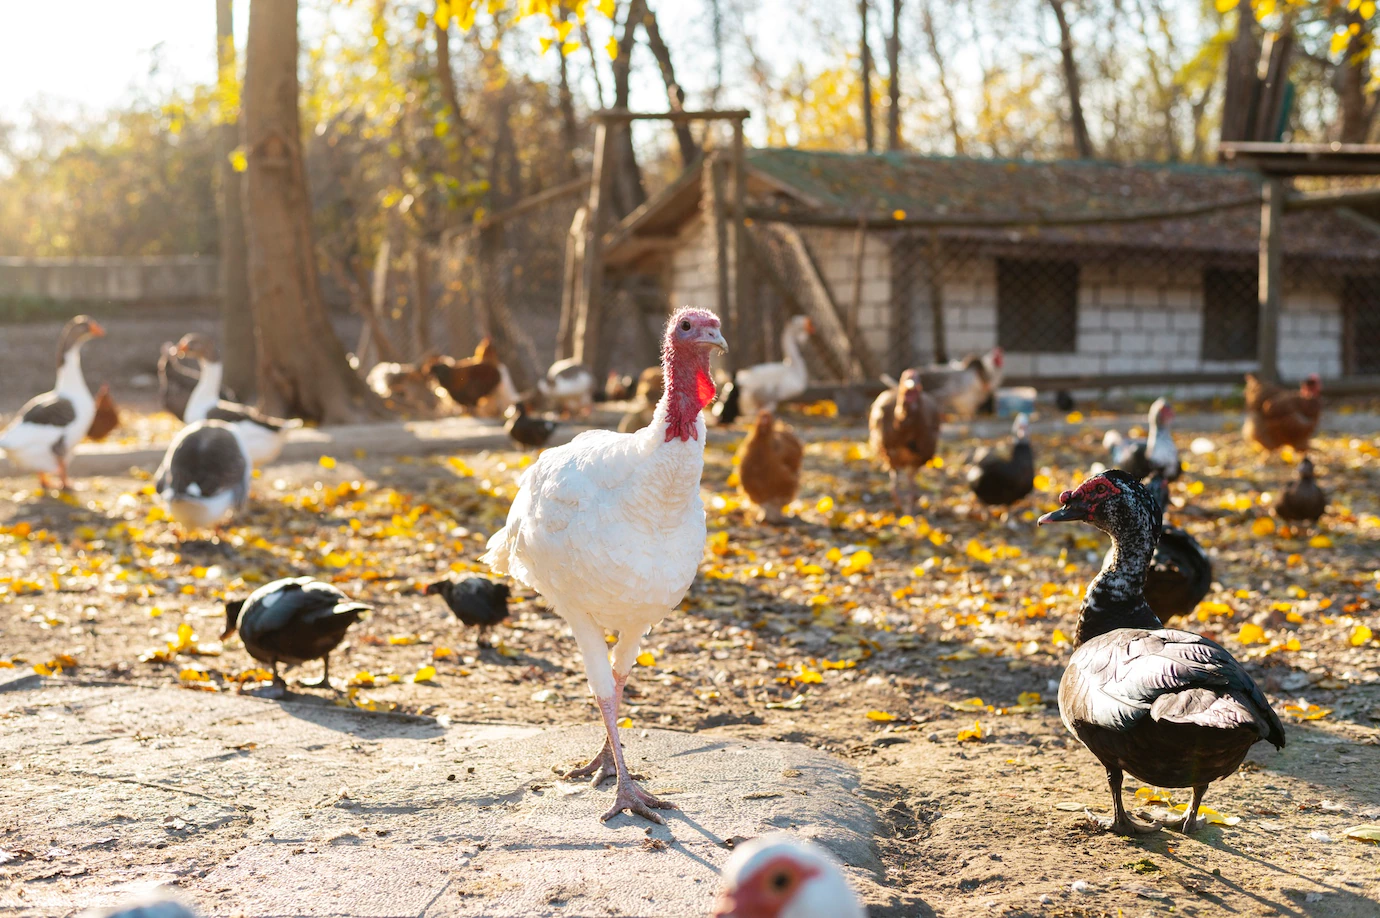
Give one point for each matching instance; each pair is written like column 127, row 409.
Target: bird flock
column 610, row 530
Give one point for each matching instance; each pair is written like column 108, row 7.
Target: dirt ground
column 924, row 649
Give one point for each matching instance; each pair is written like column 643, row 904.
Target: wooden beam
column 526, row 205
column 1042, row 218
column 1314, row 200
column 855, row 307
column 1271, row 254
column 713, row 197
column 1303, row 158
column 742, row 330
column 623, row 115
column 827, row 313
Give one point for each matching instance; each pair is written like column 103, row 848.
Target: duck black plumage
column 291, row 621
column 1002, row 480
column 1180, row 576
column 1171, row 707
column 526, row 430
column 477, row 601
column 1303, row 501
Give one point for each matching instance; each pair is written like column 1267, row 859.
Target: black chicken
column 476, row 601
column 1002, row 480
column 291, row 621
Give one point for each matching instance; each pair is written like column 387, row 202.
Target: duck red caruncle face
column 1085, row 503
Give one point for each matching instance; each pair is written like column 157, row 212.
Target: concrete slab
column 303, row 808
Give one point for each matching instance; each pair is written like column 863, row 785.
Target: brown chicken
column 107, row 416
column 904, row 433
column 649, row 386
column 468, row 380
column 769, row 467
column 1276, row 417
column 404, row 387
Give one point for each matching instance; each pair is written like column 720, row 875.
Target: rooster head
column 1311, row 387
column 910, row 388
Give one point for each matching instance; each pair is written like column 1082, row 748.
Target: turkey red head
column 1311, row 387
column 780, row 876
column 1113, row 501
column 692, row 337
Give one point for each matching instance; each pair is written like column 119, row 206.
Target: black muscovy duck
column 1303, row 501
column 1002, row 480
column 1157, row 452
column 1171, row 707
column 1180, row 576
column 291, row 621
column 477, row 601
column 527, row 430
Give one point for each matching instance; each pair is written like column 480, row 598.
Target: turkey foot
column 635, row 800
column 602, row 767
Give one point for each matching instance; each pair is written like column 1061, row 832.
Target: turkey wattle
column 610, row 529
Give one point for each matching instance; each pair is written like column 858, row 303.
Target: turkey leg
column 601, row 766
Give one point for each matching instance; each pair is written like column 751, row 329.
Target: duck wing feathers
column 1179, row 577
column 48, row 410
column 302, row 619
column 1119, row 678
column 232, row 413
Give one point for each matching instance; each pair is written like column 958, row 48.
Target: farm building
column 1074, row 268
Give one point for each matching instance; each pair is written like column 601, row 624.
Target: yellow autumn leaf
column 858, row 562
column 1042, row 482
column 972, row 733
column 363, row 678
column 1195, row 488
column 193, row 675
column 1360, row 636
column 1308, row 712
column 959, row 655
column 1251, row 633
column 881, row 716
column 1025, row 699
column 625, row 722
column 825, row 504
column 1369, row 833
column 611, row 47
column 425, row 674
column 326, row 462
column 1263, row 526
column 442, row 653
column 6, row 664
column 936, row 463
column 646, row 658
column 1074, row 417
column 898, row 215
column 808, row 676
column 403, row 640
column 968, row 704
column 443, row 14
column 1320, row 541
column 606, row 7
column 1339, row 41
column 1058, row 637
column 238, row 161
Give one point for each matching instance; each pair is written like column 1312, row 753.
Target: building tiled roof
column 969, row 189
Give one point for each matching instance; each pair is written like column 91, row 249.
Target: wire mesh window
column 1037, row 305
column 1361, row 331
column 1231, row 314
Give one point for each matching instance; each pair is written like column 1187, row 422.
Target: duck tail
column 351, row 608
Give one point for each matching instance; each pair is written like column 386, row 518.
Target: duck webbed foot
column 1191, row 823
column 1121, row 823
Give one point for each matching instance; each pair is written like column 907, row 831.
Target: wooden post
column 741, row 348
column 855, row 308
column 589, row 315
column 718, row 223
column 570, row 287
column 1271, row 252
column 936, row 284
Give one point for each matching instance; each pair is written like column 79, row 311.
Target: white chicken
column 781, row 876
column 961, row 386
column 569, row 387
column 761, row 387
column 610, row 530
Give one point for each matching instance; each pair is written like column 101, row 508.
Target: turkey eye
column 685, row 325
column 780, row 881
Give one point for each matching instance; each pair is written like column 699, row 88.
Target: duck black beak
column 1071, row 512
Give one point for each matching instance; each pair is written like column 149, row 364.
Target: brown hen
column 468, row 380
column 1276, row 417
column 107, row 416
column 904, row 433
column 769, row 467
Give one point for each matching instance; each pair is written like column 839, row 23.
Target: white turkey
column 782, row 876
column 610, row 529
column 49, row 426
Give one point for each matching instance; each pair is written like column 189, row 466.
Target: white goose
column 762, row 387
column 49, row 426
column 263, row 437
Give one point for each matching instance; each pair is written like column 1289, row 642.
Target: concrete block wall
column 834, row 253
column 1310, row 334
column 691, row 274
column 121, row 280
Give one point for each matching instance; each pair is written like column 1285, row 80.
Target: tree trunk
column 869, row 132
column 628, row 192
column 236, row 321
column 570, row 127
column 1243, row 86
column 932, row 38
column 303, row 371
column 893, row 79
column 1082, row 141
column 716, row 25
column 675, row 95
column 593, row 64
column 446, row 76
column 421, row 301
column 1356, row 114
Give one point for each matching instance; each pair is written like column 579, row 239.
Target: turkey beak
column 715, row 339
column 1074, row 511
